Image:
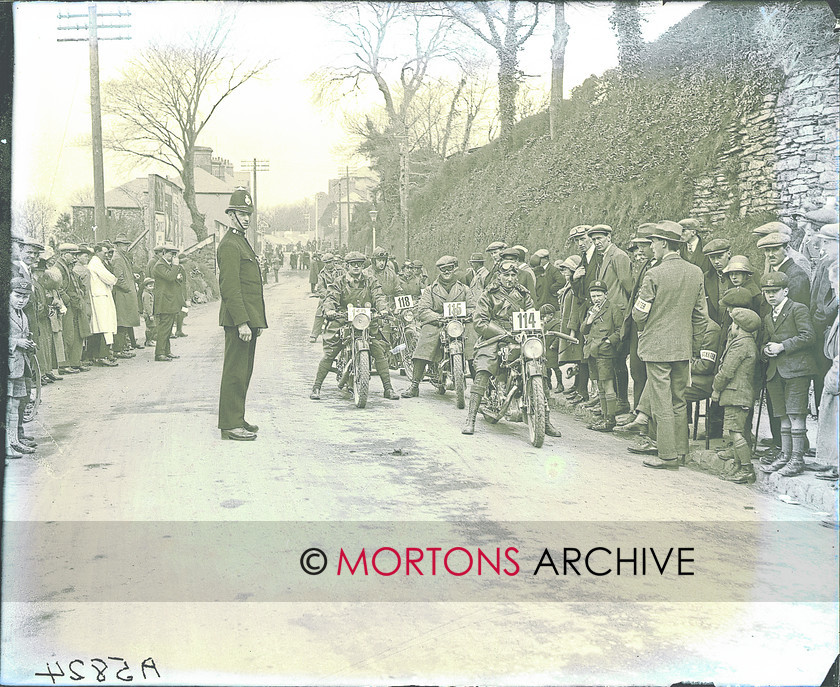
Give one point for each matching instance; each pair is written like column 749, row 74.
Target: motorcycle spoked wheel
column 405, row 355
column 535, row 412
column 34, row 400
column 361, row 380
column 440, row 382
column 460, row 381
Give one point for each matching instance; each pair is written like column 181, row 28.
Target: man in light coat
column 103, row 316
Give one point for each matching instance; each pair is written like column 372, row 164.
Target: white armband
column 711, row 356
column 642, row 306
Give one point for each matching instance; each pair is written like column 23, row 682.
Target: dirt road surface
column 138, row 444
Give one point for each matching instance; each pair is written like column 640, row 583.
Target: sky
column 272, row 118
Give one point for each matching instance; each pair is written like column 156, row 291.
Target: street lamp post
column 373, row 214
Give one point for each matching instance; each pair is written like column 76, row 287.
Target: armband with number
column 642, row 306
column 705, row 354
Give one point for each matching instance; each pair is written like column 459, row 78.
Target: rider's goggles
column 447, row 269
column 510, row 269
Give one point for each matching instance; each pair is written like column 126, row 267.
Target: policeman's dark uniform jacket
column 364, row 292
column 242, row 302
column 168, row 303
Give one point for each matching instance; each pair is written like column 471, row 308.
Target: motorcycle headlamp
column 408, row 316
column 361, row 321
column 455, row 328
column 532, row 349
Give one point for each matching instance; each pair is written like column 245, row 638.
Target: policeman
column 493, row 317
column 445, row 289
column 242, row 314
column 354, row 288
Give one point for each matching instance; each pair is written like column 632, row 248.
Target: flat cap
column 28, row 241
column 746, row 319
column 736, row 297
column 512, row 253
column 416, row 263
column 84, row 248
column 716, row 246
column 68, row 248
column 772, row 228
column 522, row 249
column 168, row 247
column 445, row 260
column 354, row 256
column 578, row 231
column 773, row 240
column 477, row 257
column 598, row 285
column 738, row 263
column 147, row 281
column 690, row 223
column 21, row 285
column 496, row 245
column 122, row 238
column 535, row 261
column 599, row 229
column 824, row 215
column 643, row 233
column 541, row 253
column 830, row 231
column 775, row 280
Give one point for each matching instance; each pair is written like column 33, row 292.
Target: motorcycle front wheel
column 361, row 380
column 458, row 376
column 536, row 411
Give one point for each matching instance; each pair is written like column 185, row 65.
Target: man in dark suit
column 242, row 314
column 775, row 251
column 692, row 248
column 715, row 281
column 167, row 276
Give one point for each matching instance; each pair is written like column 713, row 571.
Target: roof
column 127, row 195
column 207, row 183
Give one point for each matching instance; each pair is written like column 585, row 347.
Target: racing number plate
column 352, row 311
column 403, row 302
column 455, row 309
column 526, row 319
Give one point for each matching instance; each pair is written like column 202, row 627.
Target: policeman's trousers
column 666, row 383
column 236, row 377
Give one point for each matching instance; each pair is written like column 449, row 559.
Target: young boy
column 734, row 389
column 21, row 346
column 602, row 331
column 148, row 300
column 787, row 342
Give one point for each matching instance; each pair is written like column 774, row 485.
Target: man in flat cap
column 775, row 248
column 487, row 273
column 75, row 325
column 787, row 233
column 786, row 346
column 168, row 279
column 823, row 306
column 476, row 262
column 692, row 249
column 810, row 221
column 549, row 279
column 671, row 315
column 715, row 281
column 241, row 313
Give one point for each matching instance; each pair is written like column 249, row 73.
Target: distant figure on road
column 242, row 314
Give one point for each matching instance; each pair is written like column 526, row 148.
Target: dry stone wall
column 782, row 155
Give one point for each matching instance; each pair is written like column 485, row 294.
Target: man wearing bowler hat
column 670, row 312
column 167, row 276
column 242, row 314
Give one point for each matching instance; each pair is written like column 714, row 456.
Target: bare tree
column 164, row 99
column 33, row 217
column 501, row 26
column 558, row 63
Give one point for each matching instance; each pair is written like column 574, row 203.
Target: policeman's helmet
column 240, row 200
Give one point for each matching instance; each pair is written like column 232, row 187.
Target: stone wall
column 781, row 155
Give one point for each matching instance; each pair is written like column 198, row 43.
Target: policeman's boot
column 419, row 369
column 384, row 373
column 476, row 394
column 323, row 370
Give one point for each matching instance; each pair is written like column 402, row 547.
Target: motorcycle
column 352, row 364
column 452, row 366
column 405, row 333
column 521, row 379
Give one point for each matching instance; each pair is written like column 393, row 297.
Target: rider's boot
column 384, row 373
column 476, row 394
column 419, row 369
column 550, row 429
column 323, row 370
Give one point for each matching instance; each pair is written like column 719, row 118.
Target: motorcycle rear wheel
column 536, row 411
column 460, row 382
column 361, row 380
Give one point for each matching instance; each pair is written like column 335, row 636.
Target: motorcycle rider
column 328, row 274
column 492, row 317
column 391, row 284
column 445, row 289
column 357, row 289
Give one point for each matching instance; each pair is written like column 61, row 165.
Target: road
column 138, row 444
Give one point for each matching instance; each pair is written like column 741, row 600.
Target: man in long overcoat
column 168, row 301
column 242, row 314
column 125, row 297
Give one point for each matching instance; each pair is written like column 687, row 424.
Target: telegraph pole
column 254, row 166
column 347, row 173
column 93, row 38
